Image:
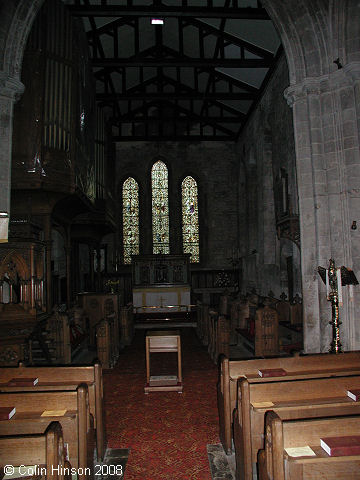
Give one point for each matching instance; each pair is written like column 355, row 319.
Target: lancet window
column 130, row 195
column 190, row 218
column 160, row 208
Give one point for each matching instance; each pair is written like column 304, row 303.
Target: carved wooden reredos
column 14, row 267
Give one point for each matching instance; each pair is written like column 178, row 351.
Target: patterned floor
column 167, row 432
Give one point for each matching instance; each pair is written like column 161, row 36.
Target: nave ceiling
column 195, row 77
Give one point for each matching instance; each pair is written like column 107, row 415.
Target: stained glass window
column 130, row 194
column 160, row 208
column 190, row 218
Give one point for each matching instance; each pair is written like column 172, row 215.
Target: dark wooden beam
column 222, row 76
column 97, row 46
column 262, row 89
column 164, row 11
column 216, row 53
column 182, row 62
column 232, row 39
column 175, row 96
column 133, row 118
column 109, row 27
column 172, row 138
column 191, row 116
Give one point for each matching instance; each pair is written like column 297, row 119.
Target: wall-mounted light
column 353, row 225
column 157, row 21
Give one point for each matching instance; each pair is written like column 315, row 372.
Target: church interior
column 179, row 242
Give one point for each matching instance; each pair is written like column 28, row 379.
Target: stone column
column 10, row 91
column 325, row 112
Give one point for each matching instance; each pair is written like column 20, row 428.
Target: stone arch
column 344, row 24
column 304, row 33
column 18, row 20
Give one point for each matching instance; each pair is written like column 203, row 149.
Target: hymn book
column 354, row 394
column 272, row 372
column 339, row 446
column 7, row 412
column 22, row 382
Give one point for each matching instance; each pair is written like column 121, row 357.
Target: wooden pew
column 290, row 398
column 276, row 464
column 45, row 451
column 219, row 332
column 76, row 422
column 261, row 335
column 66, row 378
column 307, row 366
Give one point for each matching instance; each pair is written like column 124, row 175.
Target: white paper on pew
column 53, row 413
column 262, row 404
column 305, row 451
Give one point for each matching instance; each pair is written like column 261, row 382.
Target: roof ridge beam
column 138, row 61
column 161, row 10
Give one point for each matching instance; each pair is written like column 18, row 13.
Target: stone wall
column 266, row 156
column 214, row 167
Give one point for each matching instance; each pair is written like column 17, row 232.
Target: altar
column 161, row 283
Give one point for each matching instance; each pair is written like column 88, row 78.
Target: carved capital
column 316, row 86
column 10, row 87
column 294, row 93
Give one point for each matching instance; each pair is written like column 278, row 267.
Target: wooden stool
column 163, row 341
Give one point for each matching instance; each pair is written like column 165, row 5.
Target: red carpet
column 166, row 432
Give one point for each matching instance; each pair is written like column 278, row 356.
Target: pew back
column 45, row 451
column 53, row 378
column 290, row 398
column 76, row 421
column 307, row 366
column 282, row 433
